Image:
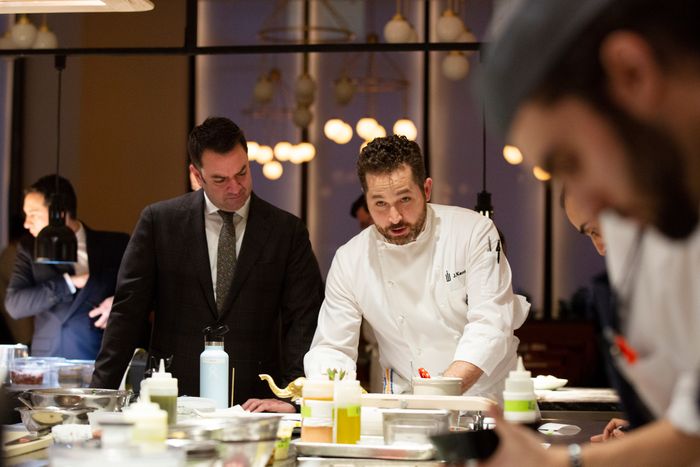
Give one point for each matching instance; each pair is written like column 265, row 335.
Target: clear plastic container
column 30, row 371
column 70, row 375
column 317, row 411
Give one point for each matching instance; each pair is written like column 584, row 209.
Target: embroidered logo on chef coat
column 449, row 277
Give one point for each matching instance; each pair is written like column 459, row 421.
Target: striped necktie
column 225, row 259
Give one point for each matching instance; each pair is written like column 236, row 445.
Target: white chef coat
column 446, row 296
column 661, row 320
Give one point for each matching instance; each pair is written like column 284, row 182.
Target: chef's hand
column 102, row 311
column 268, row 405
column 79, row 280
column 519, row 446
column 615, row 429
column 469, row 373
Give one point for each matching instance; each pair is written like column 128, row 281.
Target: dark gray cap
column 530, row 43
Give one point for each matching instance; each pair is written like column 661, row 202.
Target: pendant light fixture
column 483, row 198
column 57, row 243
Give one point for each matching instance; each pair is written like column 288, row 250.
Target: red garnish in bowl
column 423, row 373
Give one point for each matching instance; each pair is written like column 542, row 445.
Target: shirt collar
column 80, row 233
column 212, row 209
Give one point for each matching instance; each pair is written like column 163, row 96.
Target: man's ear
column 635, row 78
column 428, row 188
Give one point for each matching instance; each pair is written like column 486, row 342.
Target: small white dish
column 548, row 382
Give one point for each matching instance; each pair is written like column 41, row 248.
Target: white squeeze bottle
column 162, row 388
column 150, row 421
column 213, row 370
column 519, row 399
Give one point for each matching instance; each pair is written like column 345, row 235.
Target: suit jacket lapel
column 257, row 231
column 196, row 237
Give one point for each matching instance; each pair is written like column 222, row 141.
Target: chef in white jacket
column 431, row 280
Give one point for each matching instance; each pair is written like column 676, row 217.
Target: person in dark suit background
column 62, row 298
column 270, row 305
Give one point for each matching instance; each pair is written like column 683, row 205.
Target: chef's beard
column 658, row 171
column 413, row 229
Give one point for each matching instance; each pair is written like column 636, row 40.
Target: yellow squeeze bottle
column 347, row 397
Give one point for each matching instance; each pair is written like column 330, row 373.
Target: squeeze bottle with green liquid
column 162, row 388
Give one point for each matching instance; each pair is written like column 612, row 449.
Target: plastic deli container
column 30, row 371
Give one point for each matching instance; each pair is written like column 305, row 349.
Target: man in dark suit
column 62, row 298
column 173, row 265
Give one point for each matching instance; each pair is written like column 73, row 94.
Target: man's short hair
column 553, row 47
column 385, row 155
column 218, row 134
column 46, row 186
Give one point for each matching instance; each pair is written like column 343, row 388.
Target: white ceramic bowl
column 437, row 386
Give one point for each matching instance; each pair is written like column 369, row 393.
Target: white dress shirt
column 81, row 267
column 444, row 297
column 662, row 319
column 212, row 225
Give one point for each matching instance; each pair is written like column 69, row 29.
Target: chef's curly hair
column 384, row 155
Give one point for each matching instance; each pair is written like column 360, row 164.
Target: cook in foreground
column 431, row 280
column 608, row 103
column 217, row 256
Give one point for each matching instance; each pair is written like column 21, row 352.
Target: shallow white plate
column 549, row 382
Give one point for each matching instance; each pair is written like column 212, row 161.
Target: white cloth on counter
column 446, row 296
column 662, row 325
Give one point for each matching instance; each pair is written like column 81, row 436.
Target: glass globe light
column 45, row 39
column 253, row 149
column 449, row 26
column 344, row 90
column 305, row 88
column 455, row 66
column 407, row 128
column 397, row 30
column 264, row 90
column 264, row 155
column 333, row 128
column 302, row 116
column 365, row 127
column 23, row 33
column 306, row 151
column 512, row 154
column 379, row 132
column 297, row 155
column 345, row 134
column 541, row 174
column 283, row 151
column 272, row 170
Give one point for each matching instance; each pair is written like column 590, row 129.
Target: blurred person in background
column 70, row 303
column 607, row 99
column 19, row 331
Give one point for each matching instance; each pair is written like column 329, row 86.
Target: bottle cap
column 161, row 381
column 144, row 403
column 520, row 372
column 520, row 380
column 161, row 373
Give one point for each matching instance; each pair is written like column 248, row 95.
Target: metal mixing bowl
column 41, row 420
column 109, row 400
column 245, row 440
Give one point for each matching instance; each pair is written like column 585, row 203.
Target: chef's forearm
column 658, row 443
column 469, row 373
